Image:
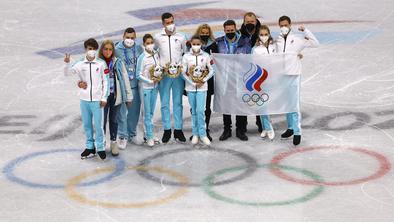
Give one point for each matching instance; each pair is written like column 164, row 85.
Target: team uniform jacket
column 295, row 44
column 171, row 47
column 262, row 50
column 95, row 74
column 201, row 59
column 145, row 63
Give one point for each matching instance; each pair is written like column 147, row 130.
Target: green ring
column 208, row 188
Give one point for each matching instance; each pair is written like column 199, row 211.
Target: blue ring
column 8, row 170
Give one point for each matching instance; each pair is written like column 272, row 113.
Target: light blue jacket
column 121, row 75
column 132, row 54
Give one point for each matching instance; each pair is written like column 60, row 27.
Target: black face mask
column 230, row 35
column 250, row 27
column 204, row 38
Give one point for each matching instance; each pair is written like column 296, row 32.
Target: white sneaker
column 195, row 140
column 205, row 140
column 135, row 140
column 122, row 143
column 271, row 134
column 150, row 142
column 263, row 134
column 114, row 148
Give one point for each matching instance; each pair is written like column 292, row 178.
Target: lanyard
column 111, row 66
column 228, row 46
column 130, row 62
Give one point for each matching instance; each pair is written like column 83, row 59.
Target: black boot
column 296, row 140
column 242, row 136
column 178, row 134
column 288, row 133
column 88, row 153
column 225, row 135
column 208, row 135
column 258, row 124
column 166, row 136
column 102, row 154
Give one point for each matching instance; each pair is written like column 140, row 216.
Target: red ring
column 385, row 166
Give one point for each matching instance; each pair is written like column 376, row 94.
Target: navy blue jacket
column 243, row 45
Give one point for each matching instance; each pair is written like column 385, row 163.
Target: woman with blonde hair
column 119, row 87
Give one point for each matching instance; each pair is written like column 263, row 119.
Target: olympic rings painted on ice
column 385, row 166
column 250, row 161
column 208, row 188
column 73, row 194
column 9, row 169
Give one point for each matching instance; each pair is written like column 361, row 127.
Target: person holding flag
column 289, row 42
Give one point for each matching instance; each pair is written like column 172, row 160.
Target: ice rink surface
column 341, row 172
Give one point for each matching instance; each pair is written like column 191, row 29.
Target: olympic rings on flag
column 255, row 99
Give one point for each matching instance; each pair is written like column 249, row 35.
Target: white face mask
column 171, row 27
column 284, row 30
column 129, row 42
column 196, row 48
column 264, row 39
column 91, row 53
column 150, row 47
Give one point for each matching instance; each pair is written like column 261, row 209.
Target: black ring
column 255, row 97
column 252, row 166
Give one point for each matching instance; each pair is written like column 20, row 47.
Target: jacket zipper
column 91, row 83
column 153, row 56
column 169, row 45
column 196, row 66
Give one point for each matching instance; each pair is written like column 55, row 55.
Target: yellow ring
column 73, row 194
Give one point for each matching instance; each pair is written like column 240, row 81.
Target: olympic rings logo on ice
column 210, row 183
column 253, row 80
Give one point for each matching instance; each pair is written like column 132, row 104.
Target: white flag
column 256, row 84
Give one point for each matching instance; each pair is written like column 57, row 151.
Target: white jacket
column 292, row 46
column 171, row 48
column 262, row 50
column 95, row 74
column 201, row 59
column 145, row 63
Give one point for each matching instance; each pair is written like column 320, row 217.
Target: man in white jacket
column 93, row 98
column 172, row 46
column 289, row 42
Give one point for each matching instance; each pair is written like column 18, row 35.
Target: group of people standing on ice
column 117, row 80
